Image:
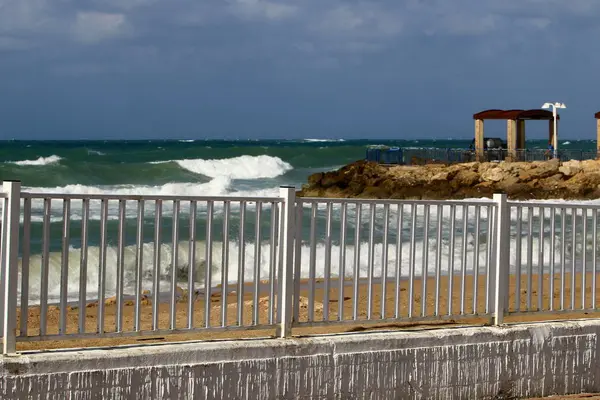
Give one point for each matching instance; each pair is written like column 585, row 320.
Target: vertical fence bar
column 3, row 253
column 563, row 258
column 297, row 267
column 540, row 289
column 121, row 263
column 139, row 262
column 225, row 261
column 327, row 272
column 411, row 262
column 287, row 242
column 489, row 250
column 584, row 257
column 529, row 256
column 279, row 266
column 102, row 265
column 398, row 261
column 438, row 258
column 424, row 265
column 83, row 263
column 192, row 262
column 384, row 258
column 25, row 266
column 356, row 262
column 451, row 258
column 594, row 254
column 10, row 231
column 174, row 260
column 573, row 254
column 518, row 261
column 552, row 254
column 241, row 265
column 257, row 264
column 476, row 257
column 312, row 262
column 64, row 266
column 156, row 271
column 208, row 261
column 342, row 266
column 463, row 259
column 371, row 261
column 274, row 261
column 502, row 250
column 45, row 267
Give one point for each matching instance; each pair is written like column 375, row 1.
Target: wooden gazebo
column 515, row 127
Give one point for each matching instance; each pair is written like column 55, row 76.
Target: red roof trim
column 534, row 114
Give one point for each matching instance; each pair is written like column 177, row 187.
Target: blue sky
column 288, row 69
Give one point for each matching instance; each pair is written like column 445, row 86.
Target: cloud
column 124, row 4
column 93, row 26
column 361, row 19
column 322, row 52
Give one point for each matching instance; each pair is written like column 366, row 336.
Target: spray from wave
column 242, row 167
column 53, row 159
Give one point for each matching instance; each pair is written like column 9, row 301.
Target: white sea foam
column 220, row 186
column 53, row 159
column 405, row 262
column 324, row 140
column 242, row 167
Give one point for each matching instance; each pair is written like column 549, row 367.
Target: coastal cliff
column 520, row 180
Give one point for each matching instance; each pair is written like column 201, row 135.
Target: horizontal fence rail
column 92, row 266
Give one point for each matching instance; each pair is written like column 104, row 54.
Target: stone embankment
column 520, row 180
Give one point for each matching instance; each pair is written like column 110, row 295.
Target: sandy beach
column 347, row 324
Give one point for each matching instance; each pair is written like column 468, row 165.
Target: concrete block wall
column 461, row 363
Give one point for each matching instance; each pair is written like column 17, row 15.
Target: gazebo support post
column 480, row 154
column 520, row 135
column 511, row 139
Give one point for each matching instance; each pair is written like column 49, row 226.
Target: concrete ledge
column 483, row 362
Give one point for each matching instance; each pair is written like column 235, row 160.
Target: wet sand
column 421, row 308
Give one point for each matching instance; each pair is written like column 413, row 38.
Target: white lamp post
column 554, row 107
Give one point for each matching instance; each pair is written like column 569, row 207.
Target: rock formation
column 520, row 180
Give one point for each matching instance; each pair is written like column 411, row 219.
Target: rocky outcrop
column 520, row 180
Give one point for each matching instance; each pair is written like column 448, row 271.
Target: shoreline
column 312, row 323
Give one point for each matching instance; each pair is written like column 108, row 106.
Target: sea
column 240, row 168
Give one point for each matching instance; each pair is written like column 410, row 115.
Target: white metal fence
column 85, row 266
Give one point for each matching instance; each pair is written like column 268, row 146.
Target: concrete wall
column 462, row 363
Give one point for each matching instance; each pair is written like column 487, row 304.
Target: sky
column 133, row 69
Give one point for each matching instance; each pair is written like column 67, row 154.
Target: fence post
column 10, row 263
column 502, row 257
column 288, row 193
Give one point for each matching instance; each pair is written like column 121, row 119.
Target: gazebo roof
column 535, row 114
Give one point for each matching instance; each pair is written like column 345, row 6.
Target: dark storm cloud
column 168, row 68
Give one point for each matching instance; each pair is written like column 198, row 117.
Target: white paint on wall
column 518, row 361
